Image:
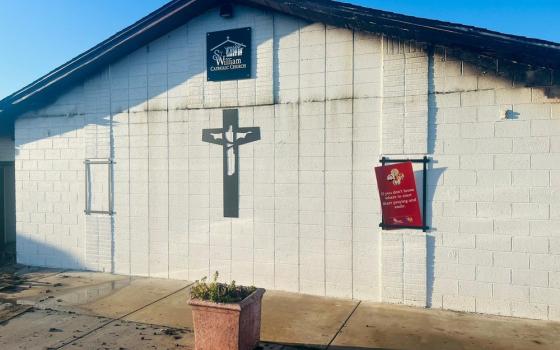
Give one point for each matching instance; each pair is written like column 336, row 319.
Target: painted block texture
column 491, row 190
column 329, row 102
column 307, row 205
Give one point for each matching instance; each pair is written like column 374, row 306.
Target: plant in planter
column 225, row 316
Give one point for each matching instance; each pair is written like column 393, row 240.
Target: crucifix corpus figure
column 230, row 137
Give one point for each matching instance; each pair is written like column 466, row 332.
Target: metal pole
column 424, row 194
column 110, row 186
column 86, row 208
column 383, row 160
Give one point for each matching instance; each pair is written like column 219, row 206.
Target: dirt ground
column 56, row 309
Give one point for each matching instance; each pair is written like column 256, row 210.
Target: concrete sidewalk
column 53, row 309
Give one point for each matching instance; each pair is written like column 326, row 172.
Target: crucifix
column 230, row 137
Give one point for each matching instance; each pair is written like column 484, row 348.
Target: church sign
column 228, row 54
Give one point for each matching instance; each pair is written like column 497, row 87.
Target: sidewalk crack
column 112, row 320
column 343, row 324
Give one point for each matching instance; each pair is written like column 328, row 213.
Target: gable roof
column 531, row 52
column 227, row 42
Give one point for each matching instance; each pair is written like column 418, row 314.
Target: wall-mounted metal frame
column 109, row 162
column 424, row 161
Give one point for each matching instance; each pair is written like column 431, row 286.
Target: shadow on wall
column 142, row 82
column 430, row 266
column 145, row 81
column 434, row 177
column 40, row 253
column 434, row 174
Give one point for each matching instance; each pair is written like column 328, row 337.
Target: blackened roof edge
column 534, row 53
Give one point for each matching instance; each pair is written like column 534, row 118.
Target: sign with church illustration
column 228, row 54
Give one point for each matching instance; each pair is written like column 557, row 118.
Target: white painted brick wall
column 329, row 102
column 505, row 190
column 405, row 102
column 49, row 191
column 168, row 184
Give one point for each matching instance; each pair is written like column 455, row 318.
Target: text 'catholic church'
column 242, row 137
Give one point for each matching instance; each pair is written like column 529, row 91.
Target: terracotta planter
column 227, row 326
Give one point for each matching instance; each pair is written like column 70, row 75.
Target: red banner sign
column 397, row 191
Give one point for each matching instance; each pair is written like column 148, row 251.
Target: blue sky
column 39, row 35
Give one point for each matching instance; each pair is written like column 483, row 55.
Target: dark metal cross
column 230, row 137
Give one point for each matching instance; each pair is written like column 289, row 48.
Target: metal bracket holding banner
column 424, row 161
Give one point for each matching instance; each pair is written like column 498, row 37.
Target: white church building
column 146, row 156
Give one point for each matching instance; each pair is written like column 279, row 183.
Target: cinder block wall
column 50, row 190
column 329, row 102
column 495, row 187
column 308, row 217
